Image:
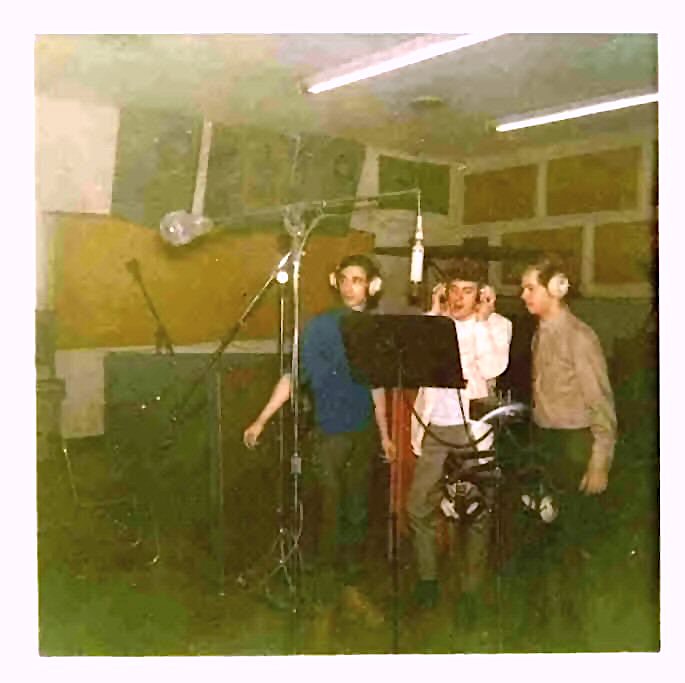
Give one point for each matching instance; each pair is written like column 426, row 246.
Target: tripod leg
column 395, row 576
column 395, row 494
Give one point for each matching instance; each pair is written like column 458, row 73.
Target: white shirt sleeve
column 493, row 338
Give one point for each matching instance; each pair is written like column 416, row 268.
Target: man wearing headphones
column 345, row 438
column 440, row 420
column 573, row 414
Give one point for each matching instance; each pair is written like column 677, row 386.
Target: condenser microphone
column 417, row 251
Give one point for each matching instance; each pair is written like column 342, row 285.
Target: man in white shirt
column 438, row 424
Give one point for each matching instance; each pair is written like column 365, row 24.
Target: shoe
column 355, row 603
column 426, row 593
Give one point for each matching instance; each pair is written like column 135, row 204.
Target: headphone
column 558, row 286
column 375, row 283
column 481, row 291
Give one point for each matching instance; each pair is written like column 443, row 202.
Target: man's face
column 462, row 296
column 353, row 285
column 538, row 300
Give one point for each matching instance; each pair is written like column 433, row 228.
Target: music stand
column 401, row 352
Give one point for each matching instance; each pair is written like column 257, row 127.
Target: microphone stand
column 294, row 220
column 228, row 338
column 167, row 440
column 285, row 544
column 295, row 224
column 162, row 338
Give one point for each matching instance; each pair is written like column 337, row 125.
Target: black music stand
column 402, row 352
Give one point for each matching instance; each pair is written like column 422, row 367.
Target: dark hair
column 370, row 268
column 469, row 270
column 547, row 267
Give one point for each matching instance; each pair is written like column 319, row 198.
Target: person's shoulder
column 324, row 319
column 581, row 330
column 500, row 319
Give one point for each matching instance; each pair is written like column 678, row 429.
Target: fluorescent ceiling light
column 576, row 111
column 409, row 52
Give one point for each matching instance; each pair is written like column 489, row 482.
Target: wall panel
column 401, row 174
column 199, row 291
column 156, row 164
column 606, row 181
column 566, row 242
column 500, row 195
column 248, row 170
column 624, row 252
column 251, row 169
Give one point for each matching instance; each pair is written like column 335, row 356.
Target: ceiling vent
column 427, row 103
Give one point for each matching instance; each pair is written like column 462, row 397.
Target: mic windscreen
column 180, row 227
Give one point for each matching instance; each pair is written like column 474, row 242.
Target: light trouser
column 423, row 504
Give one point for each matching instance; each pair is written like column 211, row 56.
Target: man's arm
column 590, row 366
column 279, row 396
column 493, row 338
column 379, row 408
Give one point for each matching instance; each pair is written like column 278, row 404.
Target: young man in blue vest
column 350, row 418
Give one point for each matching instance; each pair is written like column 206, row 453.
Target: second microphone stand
column 162, row 339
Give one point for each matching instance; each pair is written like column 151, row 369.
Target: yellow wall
column 199, row 291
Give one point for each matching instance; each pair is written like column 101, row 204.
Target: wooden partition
column 199, row 290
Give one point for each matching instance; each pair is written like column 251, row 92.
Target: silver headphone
column 558, row 286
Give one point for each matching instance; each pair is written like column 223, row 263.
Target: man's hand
column 389, row 450
column 486, row 303
column 439, row 300
column 252, row 434
column 595, row 479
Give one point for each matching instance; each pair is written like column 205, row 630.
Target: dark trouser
column 570, row 540
column 423, row 504
column 343, row 465
column 565, row 454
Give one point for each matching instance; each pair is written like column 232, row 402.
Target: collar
column 471, row 318
column 557, row 322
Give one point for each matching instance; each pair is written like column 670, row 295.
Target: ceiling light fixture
column 404, row 54
column 576, row 111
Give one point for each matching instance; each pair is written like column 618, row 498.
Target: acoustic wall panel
column 566, row 243
column 252, row 170
column 399, row 174
column 625, row 253
column 156, row 164
column 606, row 181
column 500, row 195
column 327, row 168
column 199, row 291
column 249, row 170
